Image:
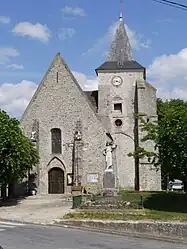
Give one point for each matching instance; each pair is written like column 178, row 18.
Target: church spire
column 120, row 50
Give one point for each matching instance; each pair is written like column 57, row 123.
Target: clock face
column 117, row 81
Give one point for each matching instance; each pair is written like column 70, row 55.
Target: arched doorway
column 56, row 181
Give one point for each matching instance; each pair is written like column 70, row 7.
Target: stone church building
column 73, row 129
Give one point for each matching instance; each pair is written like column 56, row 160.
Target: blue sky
column 32, row 32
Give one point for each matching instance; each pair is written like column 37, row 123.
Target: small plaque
column 69, row 179
column 92, row 178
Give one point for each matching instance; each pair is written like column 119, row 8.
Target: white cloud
column 102, row 45
column 36, row 31
column 174, row 93
column 137, row 40
column 86, row 82
column 14, row 98
column 15, row 66
column 65, row 33
column 67, row 10
column 169, row 74
column 5, row 20
column 6, row 54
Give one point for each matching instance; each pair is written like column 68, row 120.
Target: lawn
column 165, row 206
column 141, row 214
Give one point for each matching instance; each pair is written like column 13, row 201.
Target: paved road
column 19, row 236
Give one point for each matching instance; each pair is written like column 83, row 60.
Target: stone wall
column 149, row 175
column 124, row 135
column 166, row 231
column 60, row 104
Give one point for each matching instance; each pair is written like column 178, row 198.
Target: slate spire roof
column 120, row 50
column 120, row 55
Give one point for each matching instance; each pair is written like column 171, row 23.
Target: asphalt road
column 18, row 236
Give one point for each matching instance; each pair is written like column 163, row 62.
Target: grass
column 140, row 214
column 165, row 206
column 161, row 201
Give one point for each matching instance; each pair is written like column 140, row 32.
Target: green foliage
column 173, row 137
column 17, row 153
column 150, row 129
column 170, row 137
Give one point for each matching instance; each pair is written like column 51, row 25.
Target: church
column 80, row 135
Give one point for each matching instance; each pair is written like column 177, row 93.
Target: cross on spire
column 121, row 10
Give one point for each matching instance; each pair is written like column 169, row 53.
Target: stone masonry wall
column 124, row 135
column 60, row 105
column 149, row 175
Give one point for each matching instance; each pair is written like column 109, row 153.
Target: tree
column 170, row 137
column 17, row 153
column 173, row 138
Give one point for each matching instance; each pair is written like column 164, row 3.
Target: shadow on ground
column 6, row 202
column 167, row 201
column 16, row 193
column 161, row 201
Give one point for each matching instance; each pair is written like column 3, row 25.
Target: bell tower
column 117, row 78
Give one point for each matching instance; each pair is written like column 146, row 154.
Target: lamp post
column 77, row 140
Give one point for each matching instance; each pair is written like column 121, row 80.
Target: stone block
column 109, row 180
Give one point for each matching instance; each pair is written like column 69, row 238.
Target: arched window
column 56, row 141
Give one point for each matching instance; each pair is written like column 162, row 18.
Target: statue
column 33, row 136
column 108, row 155
column 34, row 132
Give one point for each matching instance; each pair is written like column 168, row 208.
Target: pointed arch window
column 56, row 141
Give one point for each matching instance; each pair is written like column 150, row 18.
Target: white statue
column 33, row 136
column 108, row 157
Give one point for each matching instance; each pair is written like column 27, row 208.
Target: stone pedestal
column 109, row 183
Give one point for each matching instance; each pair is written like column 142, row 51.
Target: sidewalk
column 37, row 210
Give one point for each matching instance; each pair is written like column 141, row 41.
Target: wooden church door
column 56, row 181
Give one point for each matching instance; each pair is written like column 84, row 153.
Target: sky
column 33, row 32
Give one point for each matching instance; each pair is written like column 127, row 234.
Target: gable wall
column 60, row 105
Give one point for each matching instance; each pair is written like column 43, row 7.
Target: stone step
column 49, row 196
column 46, row 199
